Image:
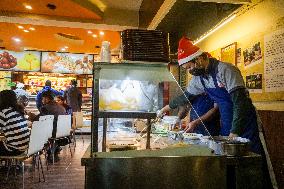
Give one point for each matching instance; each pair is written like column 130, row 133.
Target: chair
column 47, row 126
column 77, row 125
column 63, row 131
column 36, row 144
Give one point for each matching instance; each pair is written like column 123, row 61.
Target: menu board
column 20, row 61
column 66, row 63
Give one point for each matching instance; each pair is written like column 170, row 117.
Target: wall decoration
column 254, row 83
column 20, row 61
column 252, row 55
column 183, row 78
column 239, row 56
column 274, row 61
column 66, row 63
column 229, row 53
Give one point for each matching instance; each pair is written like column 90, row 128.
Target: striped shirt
column 15, row 129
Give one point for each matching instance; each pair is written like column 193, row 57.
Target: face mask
column 197, row 71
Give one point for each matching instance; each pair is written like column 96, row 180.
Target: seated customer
column 13, row 124
column 50, row 107
column 61, row 101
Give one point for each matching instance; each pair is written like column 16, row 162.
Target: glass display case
column 125, row 95
column 125, row 100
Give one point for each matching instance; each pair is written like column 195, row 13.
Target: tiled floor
column 67, row 173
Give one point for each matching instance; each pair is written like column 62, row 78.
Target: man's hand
column 191, row 126
column 162, row 112
column 232, row 136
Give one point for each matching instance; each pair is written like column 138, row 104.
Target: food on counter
column 29, row 62
column 192, row 136
column 7, row 61
column 179, row 144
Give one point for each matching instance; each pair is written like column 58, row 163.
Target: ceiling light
column 32, row 29
column 21, row 27
column 17, row 39
column 102, row 33
column 63, row 49
column 26, row 31
column 95, row 35
column 215, row 29
column 66, row 47
column 90, row 32
column 28, row 7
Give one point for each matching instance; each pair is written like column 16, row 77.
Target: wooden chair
column 36, row 144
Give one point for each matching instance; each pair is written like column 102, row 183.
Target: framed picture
column 229, row 54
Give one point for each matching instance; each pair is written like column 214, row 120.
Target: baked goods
column 7, row 61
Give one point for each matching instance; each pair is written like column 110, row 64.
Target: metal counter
column 186, row 167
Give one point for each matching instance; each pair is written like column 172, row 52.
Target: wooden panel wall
column 273, row 127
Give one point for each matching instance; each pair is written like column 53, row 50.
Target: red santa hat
column 187, row 51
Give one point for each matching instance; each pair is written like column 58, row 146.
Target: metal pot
column 223, row 146
column 235, row 149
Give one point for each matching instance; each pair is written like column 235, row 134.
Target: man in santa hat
column 224, row 84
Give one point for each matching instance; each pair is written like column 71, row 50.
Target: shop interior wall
column 247, row 29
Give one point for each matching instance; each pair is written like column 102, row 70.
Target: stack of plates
column 145, row 45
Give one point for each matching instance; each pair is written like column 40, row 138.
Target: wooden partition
column 273, row 127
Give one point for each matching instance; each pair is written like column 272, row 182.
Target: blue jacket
column 39, row 95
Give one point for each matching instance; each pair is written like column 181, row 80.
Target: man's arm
column 205, row 117
column 38, row 100
column 242, row 107
column 181, row 100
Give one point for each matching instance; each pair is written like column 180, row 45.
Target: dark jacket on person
column 45, row 89
column 74, row 98
column 55, row 109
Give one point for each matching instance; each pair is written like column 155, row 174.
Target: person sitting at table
column 62, row 102
column 13, row 124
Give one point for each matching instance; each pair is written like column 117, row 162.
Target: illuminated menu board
column 20, row 61
column 66, row 63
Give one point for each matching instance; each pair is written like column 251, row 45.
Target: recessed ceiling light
column 90, row 32
column 26, row 31
column 21, row 27
column 63, row 49
column 95, row 35
column 102, row 33
column 17, row 39
column 66, row 47
column 32, row 29
column 28, row 7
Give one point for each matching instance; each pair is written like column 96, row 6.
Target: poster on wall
column 20, row 61
column 252, row 55
column 229, row 53
column 274, row 61
column 254, row 83
column 239, row 56
column 66, row 63
column 182, row 78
